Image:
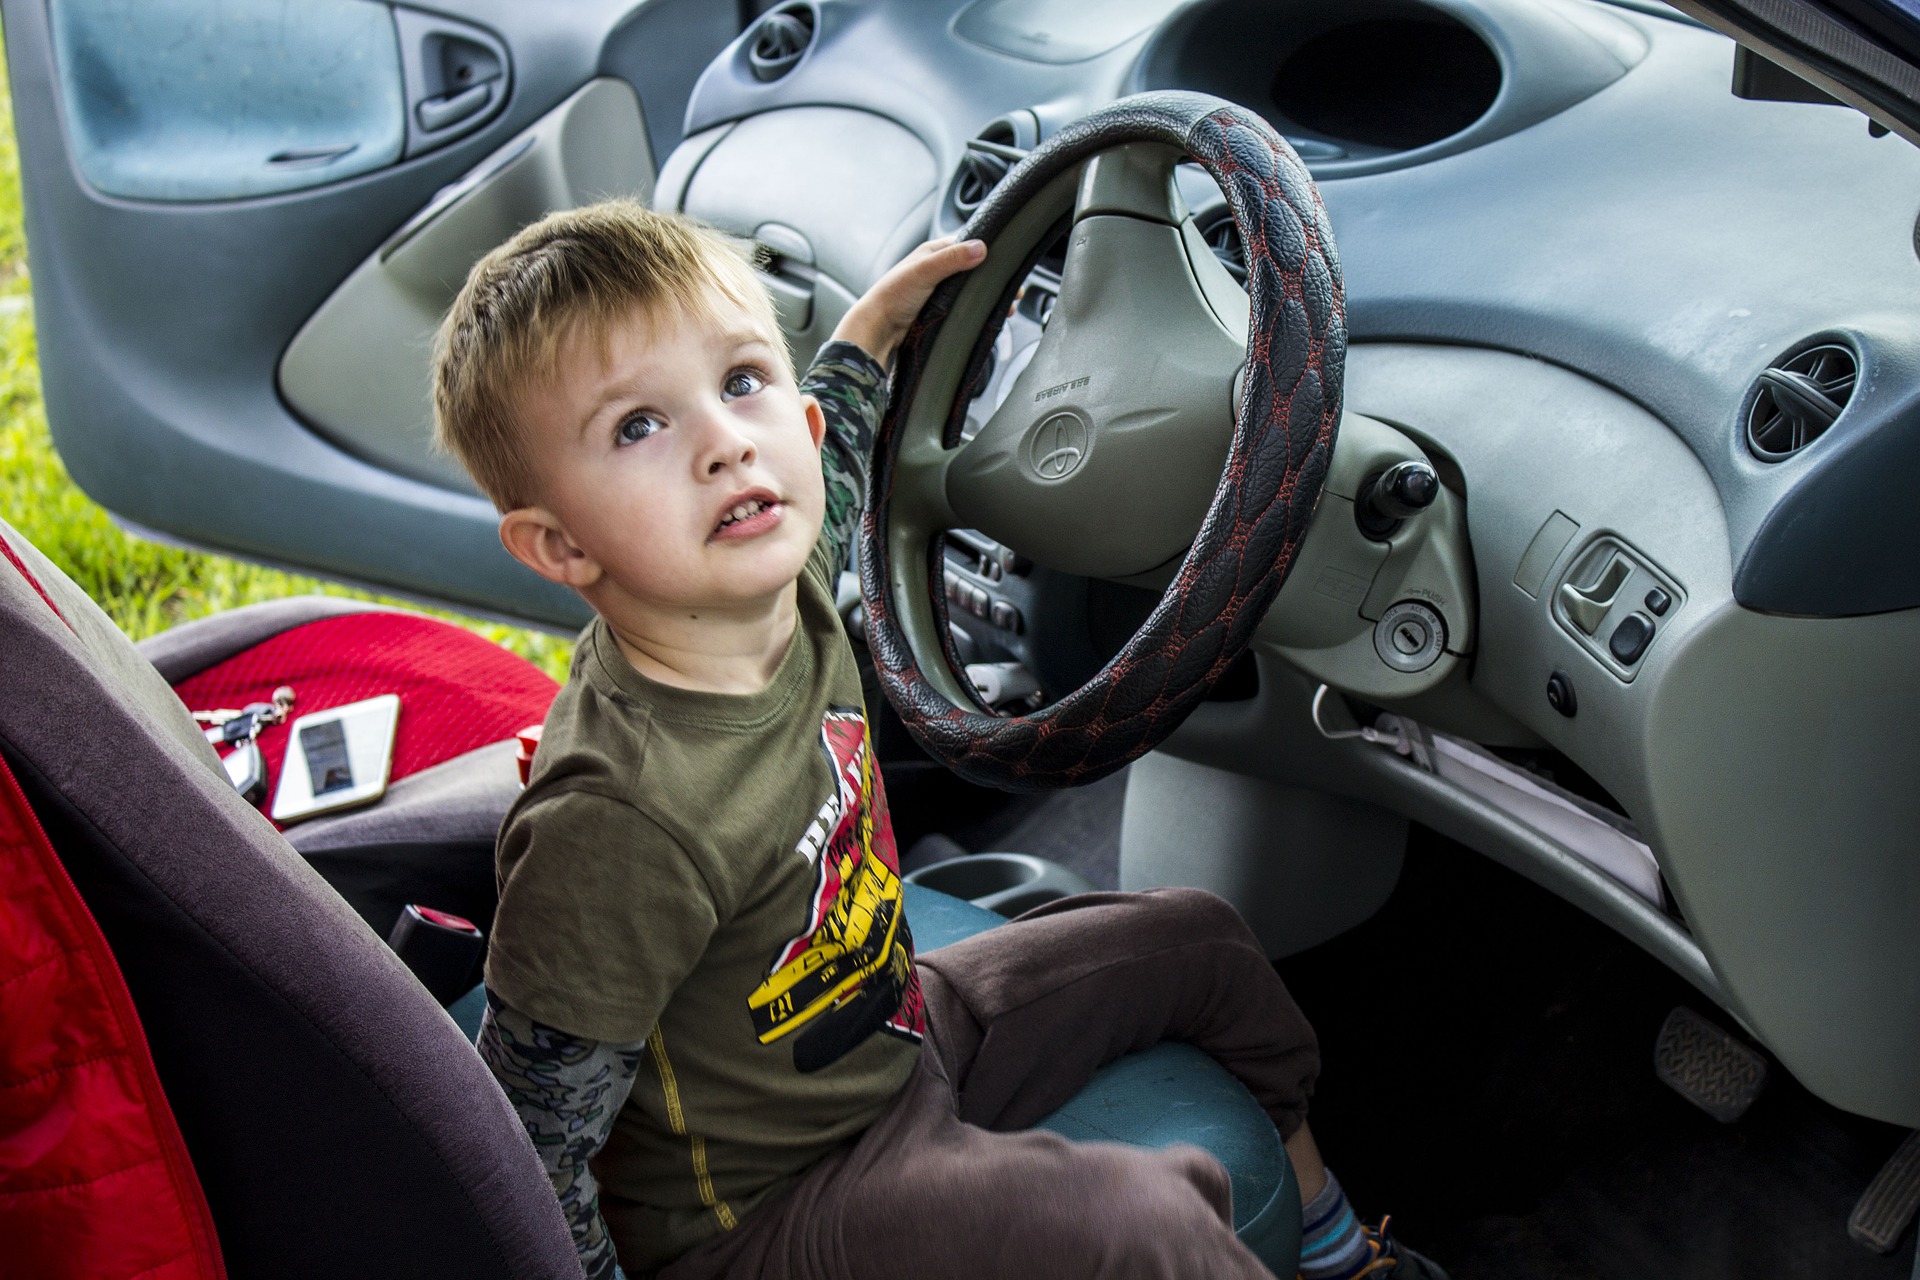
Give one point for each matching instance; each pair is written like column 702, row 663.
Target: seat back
column 338, row 1121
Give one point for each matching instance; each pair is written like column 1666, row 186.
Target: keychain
column 246, row 767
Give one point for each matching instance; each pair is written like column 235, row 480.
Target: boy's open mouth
column 749, row 516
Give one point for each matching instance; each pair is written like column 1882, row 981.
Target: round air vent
column 1223, row 237
column 989, row 156
column 779, row 40
column 1798, row 399
column 979, row 173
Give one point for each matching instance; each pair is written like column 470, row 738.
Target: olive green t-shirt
column 716, row 874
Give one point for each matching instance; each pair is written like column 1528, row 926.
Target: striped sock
column 1332, row 1245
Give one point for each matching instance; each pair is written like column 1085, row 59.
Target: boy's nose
column 727, row 446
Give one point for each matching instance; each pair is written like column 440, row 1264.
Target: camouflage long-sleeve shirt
column 852, row 390
column 568, row 1089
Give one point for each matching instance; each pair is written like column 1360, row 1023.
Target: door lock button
column 1631, row 638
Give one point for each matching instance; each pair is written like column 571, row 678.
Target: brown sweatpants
column 949, row 1182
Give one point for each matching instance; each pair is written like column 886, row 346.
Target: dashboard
column 1655, row 341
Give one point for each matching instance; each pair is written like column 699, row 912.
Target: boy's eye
column 742, row 382
column 635, row 428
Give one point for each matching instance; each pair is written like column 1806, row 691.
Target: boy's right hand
column 879, row 320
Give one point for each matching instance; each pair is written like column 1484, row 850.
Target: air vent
column 779, row 41
column 1798, row 399
column 989, row 156
column 1223, row 237
column 979, row 173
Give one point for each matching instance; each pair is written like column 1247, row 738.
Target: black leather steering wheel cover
column 1282, row 442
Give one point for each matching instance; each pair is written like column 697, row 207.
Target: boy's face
column 678, row 470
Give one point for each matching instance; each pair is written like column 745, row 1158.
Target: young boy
column 702, row 993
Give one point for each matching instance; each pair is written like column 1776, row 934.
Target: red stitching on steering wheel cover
column 1282, row 441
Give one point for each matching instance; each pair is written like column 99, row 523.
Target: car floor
column 936, row 816
column 1487, row 1079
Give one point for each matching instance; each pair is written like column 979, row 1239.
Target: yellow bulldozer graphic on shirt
column 850, row 973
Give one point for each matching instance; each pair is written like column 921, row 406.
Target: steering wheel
column 1144, row 414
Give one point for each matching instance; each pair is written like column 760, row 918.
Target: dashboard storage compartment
column 1361, row 86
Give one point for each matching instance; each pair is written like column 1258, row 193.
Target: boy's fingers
column 954, row 257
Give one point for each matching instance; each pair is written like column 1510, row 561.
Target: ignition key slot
column 1410, row 636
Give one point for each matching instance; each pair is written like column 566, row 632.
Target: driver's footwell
column 1487, row 1079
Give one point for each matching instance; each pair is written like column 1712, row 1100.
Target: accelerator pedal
column 1707, row 1066
column 1889, row 1202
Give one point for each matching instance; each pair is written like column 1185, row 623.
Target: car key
column 243, row 726
column 245, row 765
column 247, row 770
column 227, row 725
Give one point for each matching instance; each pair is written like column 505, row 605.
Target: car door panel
column 357, row 371
column 854, row 192
column 163, row 323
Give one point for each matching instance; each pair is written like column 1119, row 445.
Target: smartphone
column 337, row 759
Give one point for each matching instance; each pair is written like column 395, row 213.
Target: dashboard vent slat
column 779, row 41
column 989, row 156
column 980, row 172
column 1798, row 399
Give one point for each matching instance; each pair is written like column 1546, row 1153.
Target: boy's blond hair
column 570, row 276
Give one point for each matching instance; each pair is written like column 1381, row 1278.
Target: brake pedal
column 1889, row 1202
column 1707, row 1066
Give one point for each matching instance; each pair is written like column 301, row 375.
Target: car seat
column 339, row 1122
column 430, row 839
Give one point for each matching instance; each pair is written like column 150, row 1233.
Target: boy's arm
column 567, row 1091
column 849, row 376
column 852, row 390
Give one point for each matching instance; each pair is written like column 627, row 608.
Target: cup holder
column 1006, row 883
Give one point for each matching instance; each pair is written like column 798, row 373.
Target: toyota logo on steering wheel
column 1057, row 446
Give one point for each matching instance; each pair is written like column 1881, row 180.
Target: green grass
column 142, row 586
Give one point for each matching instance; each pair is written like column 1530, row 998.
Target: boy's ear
column 816, row 420
column 534, row 537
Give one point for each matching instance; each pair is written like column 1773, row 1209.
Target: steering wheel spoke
column 920, row 485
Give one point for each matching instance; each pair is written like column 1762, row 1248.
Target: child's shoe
column 1395, row 1260
column 1336, row 1245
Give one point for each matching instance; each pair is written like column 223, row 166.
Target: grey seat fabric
column 429, row 841
column 458, row 801
column 339, row 1123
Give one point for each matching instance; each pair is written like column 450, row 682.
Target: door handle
column 457, row 77
column 1587, row 605
column 438, row 113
